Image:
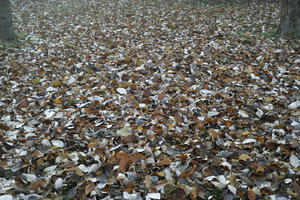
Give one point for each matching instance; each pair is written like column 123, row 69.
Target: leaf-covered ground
column 149, row 100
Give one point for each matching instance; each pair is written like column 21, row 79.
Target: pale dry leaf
column 58, row 143
column 122, row 91
column 58, row 183
column 294, row 161
column 6, row 197
column 294, row 105
column 153, row 196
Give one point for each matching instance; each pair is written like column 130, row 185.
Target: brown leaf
column 182, row 156
column 251, row 194
column 93, row 144
column 125, row 161
column 228, row 123
column 24, row 104
column 129, row 139
column 165, row 162
column 244, row 157
column 4, row 127
column 38, row 154
column 36, row 185
column 188, row 173
column 89, row 188
column 178, row 118
column 214, row 133
column 161, row 96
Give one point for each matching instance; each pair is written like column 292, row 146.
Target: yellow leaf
column 161, row 173
column 249, row 70
column 244, row 157
column 140, row 128
column 87, row 70
column 223, row 68
column 171, row 126
column 246, row 133
column 36, row 81
column 58, row 100
column 126, row 84
column 268, row 99
column 56, row 83
column 79, row 172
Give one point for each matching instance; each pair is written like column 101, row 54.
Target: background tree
column 290, row 17
column 6, row 21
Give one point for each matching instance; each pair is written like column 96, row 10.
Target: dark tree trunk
column 290, row 17
column 6, row 21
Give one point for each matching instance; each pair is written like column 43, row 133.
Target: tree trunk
column 6, row 21
column 290, row 18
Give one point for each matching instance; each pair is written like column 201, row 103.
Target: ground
column 149, row 100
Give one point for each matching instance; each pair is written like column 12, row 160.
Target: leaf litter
column 149, row 100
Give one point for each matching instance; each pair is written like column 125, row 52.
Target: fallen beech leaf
column 260, row 169
column 89, row 188
column 126, row 131
column 153, row 196
column 58, row 183
column 37, row 154
column 294, row 161
column 244, row 157
column 251, row 194
column 124, row 160
column 93, row 144
column 248, row 141
column 58, row 143
column 182, row 156
column 294, row 105
column 122, row 91
column 161, row 173
column 6, row 197
column 79, row 172
column 245, row 132
column 36, row 81
column 214, row 133
column 128, row 139
column 161, row 96
column 4, row 127
column 232, row 189
column 37, row 184
column 58, row 100
column 56, row 83
column 178, row 118
column 165, row 162
column 24, row 103
column 188, row 173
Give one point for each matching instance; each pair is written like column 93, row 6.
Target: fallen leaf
column 251, row 194
column 89, row 188
column 214, row 133
column 122, row 91
column 294, row 161
column 244, row 157
column 126, row 131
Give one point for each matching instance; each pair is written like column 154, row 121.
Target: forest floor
column 149, row 100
